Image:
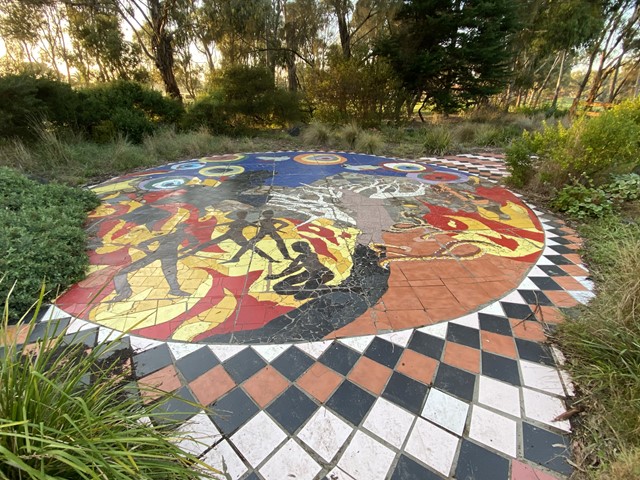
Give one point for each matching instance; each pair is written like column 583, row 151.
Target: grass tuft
column 317, row 134
column 438, row 140
column 369, row 142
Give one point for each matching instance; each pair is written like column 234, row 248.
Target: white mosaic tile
column 494, row 309
column 78, row 325
column 498, row 395
column 389, row 422
column 432, row 445
column 493, row 430
column 180, row 350
column 291, row 461
column 544, row 408
column 398, row 338
column 438, row 330
column 224, row 459
column 314, row 349
column 258, row 438
column 325, row 433
column 446, row 411
column 200, row 434
column 470, row 320
column 140, row 344
column 359, row 344
column 366, row 458
column 583, row 296
column 225, row 352
column 541, row 377
column 270, row 352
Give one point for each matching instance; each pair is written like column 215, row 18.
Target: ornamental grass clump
column 68, row 412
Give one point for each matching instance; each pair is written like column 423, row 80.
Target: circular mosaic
column 290, row 246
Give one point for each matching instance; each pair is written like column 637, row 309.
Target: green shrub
column 580, row 201
column 41, row 237
column 438, row 140
column 27, row 103
column 67, row 412
column 209, row 112
column 520, row 162
column 124, row 108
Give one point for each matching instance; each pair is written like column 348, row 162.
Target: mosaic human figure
column 306, row 275
column 167, row 252
column 267, row 227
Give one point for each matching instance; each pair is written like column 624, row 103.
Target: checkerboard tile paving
column 472, row 398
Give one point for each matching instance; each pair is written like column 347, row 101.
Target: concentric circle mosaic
column 295, row 246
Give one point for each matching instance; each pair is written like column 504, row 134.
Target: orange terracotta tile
column 569, row 283
column 370, row 322
column 436, row 297
column 265, row 385
column 495, row 289
column 442, row 314
column 397, row 278
column 561, row 299
column 575, row 270
column 499, row 344
column 164, row 380
column 418, row 271
column 417, row 366
column 426, row 283
column 212, row 385
column 462, row 356
column 402, row 319
column 370, row 375
column 528, row 330
column 401, row 298
column 470, row 295
column 319, row 381
column 549, row 315
column 573, row 257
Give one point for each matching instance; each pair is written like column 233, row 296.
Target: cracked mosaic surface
column 294, row 246
column 476, row 397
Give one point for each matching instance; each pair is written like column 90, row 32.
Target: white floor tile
column 493, row 430
column 325, row 433
column 438, row 330
column 494, row 309
column 398, row 338
column 541, row 377
column 432, row 445
column 544, row 408
column 180, row 350
column 359, row 344
column 140, row 344
column 225, row 460
column 200, row 432
column 365, row 458
column 314, row 349
column 270, row 352
column 291, row 461
column 225, row 352
column 389, row 422
column 446, row 411
column 499, row 395
column 258, row 438
column 470, row 320
column 337, row 474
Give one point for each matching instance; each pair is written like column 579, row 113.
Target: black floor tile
column 340, row 358
column 517, row 310
column 244, row 365
column 427, row 344
column 560, row 259
column 51, row 328
column 407, row 469
column 384, row 352
column 197, row 363
column 152, row 360
column 232, row 411
column 535, row 352
column 535, row 297
column 500, row 368
column 87, row 337
column 463, row 335
column 561, row 249
column 546, row 448
column 561, row 240
column 545, row 283
column 293, row 363
column 251, row 476
column 113, row 348
column 455, row 381
column 351, row 402
column 405, row 392
column 495, row 324
column 292, row 409
column 553, row 270
column 477, row 463
column 180, row 407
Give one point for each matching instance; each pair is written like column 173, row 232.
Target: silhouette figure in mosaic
column 167, row 252
column 305, row 276
column 267, row 227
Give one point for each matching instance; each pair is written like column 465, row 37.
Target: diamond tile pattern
column 455, row 398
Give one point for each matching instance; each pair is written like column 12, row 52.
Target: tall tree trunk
column 556, row 93
column 614, row 80
column 544, row 83
column 161, row 44
column 576, row 100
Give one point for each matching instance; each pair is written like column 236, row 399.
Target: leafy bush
column 580, row 201
column 591, row 148
column 70, row 413
column 41, row 237
column 209, row 112
column 28, row 102
column 124, row 108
